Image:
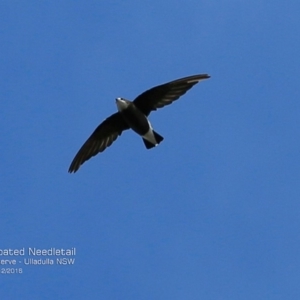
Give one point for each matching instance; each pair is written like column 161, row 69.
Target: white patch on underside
column 149, row 136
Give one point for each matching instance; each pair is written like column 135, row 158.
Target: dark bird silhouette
column 133, row 114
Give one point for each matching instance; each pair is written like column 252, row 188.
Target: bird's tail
column 158, row 139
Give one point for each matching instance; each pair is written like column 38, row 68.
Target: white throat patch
column 121, row 104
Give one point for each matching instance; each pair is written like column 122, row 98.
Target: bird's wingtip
column 205, row 76
column 72, row 170
column 199, row 78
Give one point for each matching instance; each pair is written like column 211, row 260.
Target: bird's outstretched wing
column 103, row 136
column 165, row 94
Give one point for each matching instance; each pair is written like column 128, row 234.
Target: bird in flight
column 133, row 115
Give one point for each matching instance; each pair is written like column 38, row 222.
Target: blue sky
column 213, row 212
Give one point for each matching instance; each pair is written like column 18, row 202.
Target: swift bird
column 133, row 114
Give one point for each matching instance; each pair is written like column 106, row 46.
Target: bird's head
column 122, row 103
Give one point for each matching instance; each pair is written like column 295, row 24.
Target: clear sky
column 213, row 212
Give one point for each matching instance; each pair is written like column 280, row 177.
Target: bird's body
column 135, row 119
column 138, row 122
column 133, row 115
